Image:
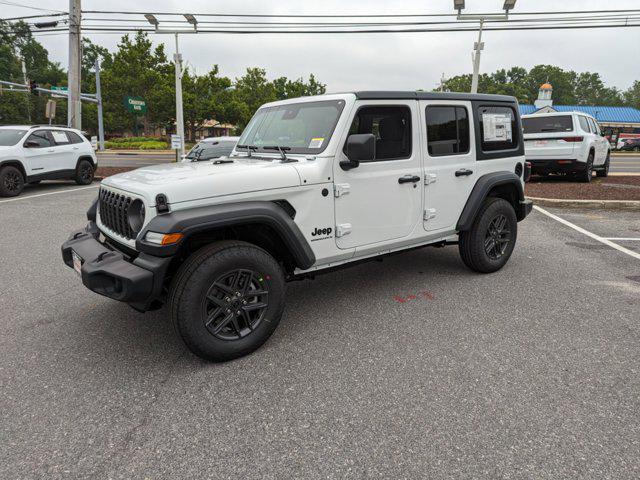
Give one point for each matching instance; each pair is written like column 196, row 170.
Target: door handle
column 463, row 172
column 409, row 179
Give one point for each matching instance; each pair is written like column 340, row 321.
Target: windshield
column 9, row 137
column 209, row 150
column 302, row 127
column 556, row 123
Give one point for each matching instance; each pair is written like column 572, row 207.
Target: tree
column 632, row 95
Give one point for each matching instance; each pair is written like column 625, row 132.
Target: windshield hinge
column 340, row 189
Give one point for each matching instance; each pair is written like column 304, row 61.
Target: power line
column 14, row 4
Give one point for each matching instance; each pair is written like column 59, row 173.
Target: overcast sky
column 378, row 61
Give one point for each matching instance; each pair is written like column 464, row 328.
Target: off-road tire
column 472, row 244
column 193, row 282
column 604, row 171
column 85, row 172
column 11, row 181
column 587, row 174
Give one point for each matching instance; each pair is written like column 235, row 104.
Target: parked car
column 630, row 144
column 210, row 148
column 313, row 184
column 565, row 143
column 29, row 154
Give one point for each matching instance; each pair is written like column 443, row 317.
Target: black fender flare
column 194, row 220
column 481, row 190
column 15, row 163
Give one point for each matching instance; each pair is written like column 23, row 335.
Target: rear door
column 450, row 162
column 550, row 136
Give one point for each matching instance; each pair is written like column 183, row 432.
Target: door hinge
column 429, row 213
column 430, row 178
column 343, row 229
column 341, row 189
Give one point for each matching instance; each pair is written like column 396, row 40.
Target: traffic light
column 32, row 86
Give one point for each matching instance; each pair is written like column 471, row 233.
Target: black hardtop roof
column 408, row 95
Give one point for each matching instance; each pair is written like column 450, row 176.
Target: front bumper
column 556, row 166
column 138, row 281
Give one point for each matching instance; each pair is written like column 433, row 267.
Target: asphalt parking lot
column 410, row 368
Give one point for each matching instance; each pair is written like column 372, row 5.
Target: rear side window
column 592, row 126
column 497, row 128
column 447, row 130
column 555, row 123
column 391, row 125
column 74, row 137
column 41, row 138
column 584, row 125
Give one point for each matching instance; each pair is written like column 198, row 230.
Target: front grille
column 113, row 213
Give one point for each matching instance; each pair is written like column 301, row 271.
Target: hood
column 187, row 181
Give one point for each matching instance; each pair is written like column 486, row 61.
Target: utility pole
column 26, row 82
column 179, row 113
column 73, row 79
column 478, row 47
column 99, row 98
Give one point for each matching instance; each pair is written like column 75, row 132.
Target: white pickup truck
column 568, row 143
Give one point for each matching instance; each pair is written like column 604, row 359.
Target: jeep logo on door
column 323, row 233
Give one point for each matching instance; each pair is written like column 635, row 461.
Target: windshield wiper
column 248, row 148
column 283, row 155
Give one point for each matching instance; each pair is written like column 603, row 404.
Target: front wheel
column 11, row 181
column 227, row 299
column 487, row 246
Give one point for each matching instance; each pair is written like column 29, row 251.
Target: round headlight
column 135, row 215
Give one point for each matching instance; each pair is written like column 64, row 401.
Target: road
column 531, row 372
column 619, row 163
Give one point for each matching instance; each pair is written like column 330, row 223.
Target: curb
column 633, row 205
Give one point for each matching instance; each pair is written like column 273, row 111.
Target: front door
column 380, row 200
column 39, row 156
column 450, row 163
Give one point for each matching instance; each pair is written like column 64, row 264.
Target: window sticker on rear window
column 496, row 127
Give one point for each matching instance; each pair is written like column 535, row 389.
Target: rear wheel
column 84, row 172
column 586, row 175
column 604, row 171
column 11, row 181
column 227, row 299
column 487, row 246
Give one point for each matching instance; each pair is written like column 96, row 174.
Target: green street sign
column 135, row 104
column 60, row 89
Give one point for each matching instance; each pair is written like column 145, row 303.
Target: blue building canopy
column 601, row 113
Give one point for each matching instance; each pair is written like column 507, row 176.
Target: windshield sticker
column 496, row 127
column 316, row 142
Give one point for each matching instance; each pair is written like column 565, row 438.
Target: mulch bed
column 610, row 188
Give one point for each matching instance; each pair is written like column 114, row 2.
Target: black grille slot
column 113, row 213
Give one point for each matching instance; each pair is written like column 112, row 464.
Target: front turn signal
column 163, row 238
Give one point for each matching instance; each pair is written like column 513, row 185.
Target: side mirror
column 31, row 144
column 361, row 147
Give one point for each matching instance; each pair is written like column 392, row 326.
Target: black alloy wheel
column 235, row 304
column 12, row 181
column 497, row 237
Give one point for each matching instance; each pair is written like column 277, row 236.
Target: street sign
column 94, row 142
column 64, row 91
column 176, row 142
column 135, row 105
column 50, row 110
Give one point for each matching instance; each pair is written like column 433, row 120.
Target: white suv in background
column 565, row 143
column 29, row 154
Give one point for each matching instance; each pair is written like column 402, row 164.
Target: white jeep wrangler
column 314, row 184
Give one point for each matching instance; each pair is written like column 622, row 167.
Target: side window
column 74, row 137
column 592, row 126
column 60, row 137
column 498, row 128
column 447, row 130
column 584, row 125
column 391, row 125
column 41, row 138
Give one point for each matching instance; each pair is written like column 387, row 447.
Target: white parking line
column 588, row 233
column 623, row 239
column 48, row 193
